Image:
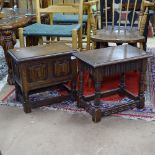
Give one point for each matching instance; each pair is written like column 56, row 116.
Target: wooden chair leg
column 88, row 29
column 93, row 45
column 40, row 40
column 80, row 39
column 74, row 39
column 21, row 37
column 58, row 38
column 142, row 45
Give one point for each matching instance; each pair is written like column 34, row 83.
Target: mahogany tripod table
column 8, row 33
column 106, row 62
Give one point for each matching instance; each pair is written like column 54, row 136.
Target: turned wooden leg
column 103, row 45
column 26, row 103
column 74, row 79
column 141, row 103
column 21, row 37
column 31, row 41
column 73, row 89
column 122, row 84
column 74, row 39
column 97, row 93
column 81, row 86
column 97, row 45
column 142, row 46
column 88, row 28
column 96, row 115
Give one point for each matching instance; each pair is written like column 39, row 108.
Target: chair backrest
column 45, row 3
column 63, row 1
column 121, row 13
column 59, row 8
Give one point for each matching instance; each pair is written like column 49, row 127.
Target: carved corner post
column 96, row 113
column 143, row 68
column 25, row 89
column 122, row 85
column 81, row 84
column 74, row 65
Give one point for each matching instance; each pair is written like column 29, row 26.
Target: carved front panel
column 61, row 68
column 37, row 72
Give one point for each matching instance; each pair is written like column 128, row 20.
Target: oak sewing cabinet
column 39, row 67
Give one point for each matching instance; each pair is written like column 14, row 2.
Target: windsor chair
column 39, row 30
column 123, row 21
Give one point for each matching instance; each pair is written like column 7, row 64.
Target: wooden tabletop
column 111, row 55
column 12, row 21
column 41, row 51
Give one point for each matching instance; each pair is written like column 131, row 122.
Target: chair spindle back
column 58, row 8
column 113, row 13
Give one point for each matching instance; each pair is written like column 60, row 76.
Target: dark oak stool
column 109, row 61
column 39, row 67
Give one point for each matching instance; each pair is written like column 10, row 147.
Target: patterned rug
column 148, row 113
column 3, row 65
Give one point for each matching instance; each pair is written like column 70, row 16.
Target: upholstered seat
column 38, row 29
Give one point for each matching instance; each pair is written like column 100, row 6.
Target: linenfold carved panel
column 61, row 68
column 37, row 72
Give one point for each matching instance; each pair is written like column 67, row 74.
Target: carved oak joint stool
column 39, row 67
column 109, row 61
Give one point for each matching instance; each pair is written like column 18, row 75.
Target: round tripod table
column 8, row 34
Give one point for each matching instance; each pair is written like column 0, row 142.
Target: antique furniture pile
column 49, row 62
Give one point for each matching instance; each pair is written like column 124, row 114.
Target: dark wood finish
column 38, row 67
column 109, row 61
column 8, row 31
column 122, row 36
column 104, row 36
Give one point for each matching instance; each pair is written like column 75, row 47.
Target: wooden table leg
column 96, row 115
column 98, row 45
column 7, row 41
column 81, row 87
column 141, row 103
column 93, row 110
column 122, row 85
column 31, row 41
column 74, row 64
column 26, row 103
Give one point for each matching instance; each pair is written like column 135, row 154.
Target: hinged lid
column 41, row 51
